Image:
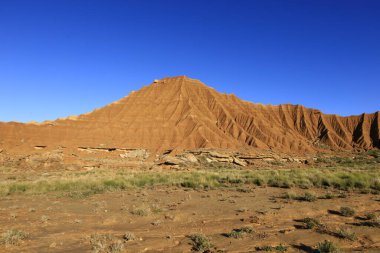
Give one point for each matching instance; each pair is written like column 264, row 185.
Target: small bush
column 309, row 197
column 239, row 232
column 189, row 184
column 310, row 223
column 243, row 190
column 234, row 234
column 200, row 242
column 13, row 237
column 290, row 195
column 141, row 211
column 266, row 248
column 326, row 247
column 281, row 248
column 247, row 230
column 371, row 216
column 128, row 236
column 328, row 196
column 346, row 234
column 156, row 208
column 105, row 243
column 347, row 211
column 278, row 248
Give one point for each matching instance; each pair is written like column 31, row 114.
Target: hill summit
column 181, row 113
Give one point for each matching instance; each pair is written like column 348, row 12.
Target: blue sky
column 67, row 57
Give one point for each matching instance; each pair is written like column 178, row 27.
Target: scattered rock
column 171, row 160
column 138, row 153
column 190, row 158
column 218, row 155
column 239, row 162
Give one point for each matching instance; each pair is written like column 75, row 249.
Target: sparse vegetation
column 307, row 196
column 141, row 211
column 371, row 157
column 346, row 234
column 327, row 247
column 371, row 216
column 371, row 223
column 44, row 218
column 105, row 243
column 13, row 237
column 155, row 208
column 243, row 190
column 281, row 248
column 84, row 184
column 129, row 236
column 310, row 223
column 328, row 195
column 347, row 211
column 278, row 248
column 200, row 242
column 239, row 232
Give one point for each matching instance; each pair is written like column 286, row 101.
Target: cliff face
column 183, row 113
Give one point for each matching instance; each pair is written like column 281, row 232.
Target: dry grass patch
column 326, row 247
column 105, row 243
column 84, row 184
column 346, row 234
column 13, row 237
column 129, row 236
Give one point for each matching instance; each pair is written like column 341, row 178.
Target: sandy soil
column 162, row 218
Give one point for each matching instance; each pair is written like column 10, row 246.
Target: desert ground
column 332, row 203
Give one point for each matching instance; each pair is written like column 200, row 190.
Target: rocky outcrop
column 135, row 154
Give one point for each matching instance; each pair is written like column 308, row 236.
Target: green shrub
column 347, row 211
column 307, row 196
column 310, row 197
column 326, row 247
column 266, row 248
column 278, row 248
column 239, row 232
column 328, row 196
column 281, row 248
column 371, row 216
column 310, row 223
column 200, row 242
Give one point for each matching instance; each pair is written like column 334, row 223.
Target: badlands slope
column 181, row 113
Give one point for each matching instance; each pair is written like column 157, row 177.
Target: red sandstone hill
column 183, row 113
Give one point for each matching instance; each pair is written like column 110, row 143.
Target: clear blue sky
column 66, row 57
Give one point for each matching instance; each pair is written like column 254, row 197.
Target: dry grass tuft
column 13, row 237
column 105, row 243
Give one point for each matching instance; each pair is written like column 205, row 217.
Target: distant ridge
column 183, row 113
